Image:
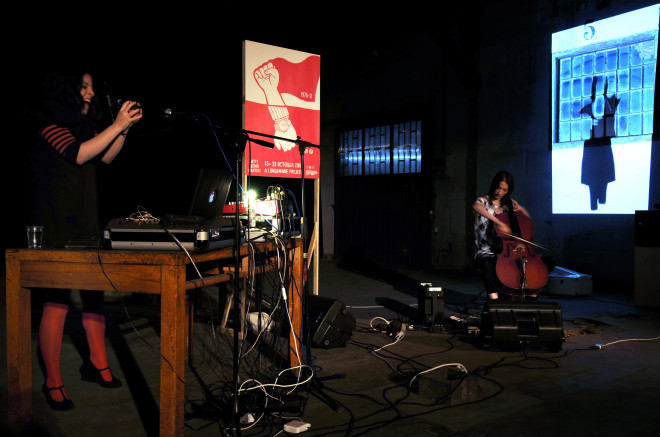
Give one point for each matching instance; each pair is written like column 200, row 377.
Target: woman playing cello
column 486, row 209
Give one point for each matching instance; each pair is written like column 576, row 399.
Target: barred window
column 387, row 149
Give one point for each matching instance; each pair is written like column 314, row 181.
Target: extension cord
column 296, row 427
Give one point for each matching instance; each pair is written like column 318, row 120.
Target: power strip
column 296, row 427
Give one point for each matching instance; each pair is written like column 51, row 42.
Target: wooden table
column 155, row 272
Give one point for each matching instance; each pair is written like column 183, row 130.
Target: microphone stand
column 239, row 143
column 315, row 384
column 239, row 146
column 239, row 140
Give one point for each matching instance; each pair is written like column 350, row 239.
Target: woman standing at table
column 67, row 147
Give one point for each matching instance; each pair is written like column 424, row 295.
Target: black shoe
column 90, row 373
column 64, row 405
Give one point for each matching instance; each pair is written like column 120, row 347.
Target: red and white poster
column 282, row 99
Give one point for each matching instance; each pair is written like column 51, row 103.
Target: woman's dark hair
column 64, row 89
column 501, row 176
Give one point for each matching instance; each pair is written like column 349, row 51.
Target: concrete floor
column 374, row 385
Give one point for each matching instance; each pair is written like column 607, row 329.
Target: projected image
column 603, row 88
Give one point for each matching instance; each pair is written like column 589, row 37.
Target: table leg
column 173, row 340
column 295, row 292
column 19, row 348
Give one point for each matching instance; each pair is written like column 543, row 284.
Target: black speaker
column 647, row 228
column 522, row 324
column 331, row 325
column 430, row 304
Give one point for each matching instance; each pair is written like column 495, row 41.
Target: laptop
column 208, row 200
column 203, row 228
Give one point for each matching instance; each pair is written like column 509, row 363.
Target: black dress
column 64, row 194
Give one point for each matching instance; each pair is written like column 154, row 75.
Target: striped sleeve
column 62, row 141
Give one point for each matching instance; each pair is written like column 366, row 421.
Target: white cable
column 459, row 365
column 275, row 307
column 371, row 322
column 293, row 331
column 187, row 253
column 276, row 385
column 629, row 339
column 264, row 328
column 398, row 338
column 377, row 355
column 294, row 386
column 265, row 404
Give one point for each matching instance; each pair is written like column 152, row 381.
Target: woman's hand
column 129, row 114
column 518, row 208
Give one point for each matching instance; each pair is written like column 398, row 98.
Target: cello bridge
column 520, row 249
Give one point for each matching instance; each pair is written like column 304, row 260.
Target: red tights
column 50, row 343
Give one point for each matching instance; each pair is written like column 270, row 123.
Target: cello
column 521, row 271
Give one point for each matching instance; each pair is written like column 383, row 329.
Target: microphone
column 169, row 114
column 120, row 102
column 236, row 133
column 108, row 99
column 263, row 143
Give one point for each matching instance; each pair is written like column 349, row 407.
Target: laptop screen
column 210, row 194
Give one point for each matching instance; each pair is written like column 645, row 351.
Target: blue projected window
column 388, row 149
column 377, row 150
column 607, row 93
column 603, row 98
column 407, row 147
column 350, row 153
